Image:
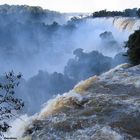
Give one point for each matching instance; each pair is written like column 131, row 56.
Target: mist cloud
column 44, row 48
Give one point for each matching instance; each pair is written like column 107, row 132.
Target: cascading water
column 130, row 24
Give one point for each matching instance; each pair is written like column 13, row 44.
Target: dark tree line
column 135, row 12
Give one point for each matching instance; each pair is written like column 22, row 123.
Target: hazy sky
column 78, row 5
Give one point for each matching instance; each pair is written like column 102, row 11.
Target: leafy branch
column 9, row 104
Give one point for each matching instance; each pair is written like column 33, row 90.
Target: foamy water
column 100, row 109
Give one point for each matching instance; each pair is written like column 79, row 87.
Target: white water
column 123, row 75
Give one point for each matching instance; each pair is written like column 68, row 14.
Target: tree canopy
column 126, row 13
column 133, row 45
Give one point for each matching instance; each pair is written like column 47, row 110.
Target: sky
column 77, row 5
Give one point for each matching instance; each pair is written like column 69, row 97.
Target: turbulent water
column 103, row 107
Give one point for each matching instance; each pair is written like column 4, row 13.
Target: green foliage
column 9, row 104
column 133, row 45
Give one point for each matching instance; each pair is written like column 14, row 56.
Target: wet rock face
column 108, row 110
